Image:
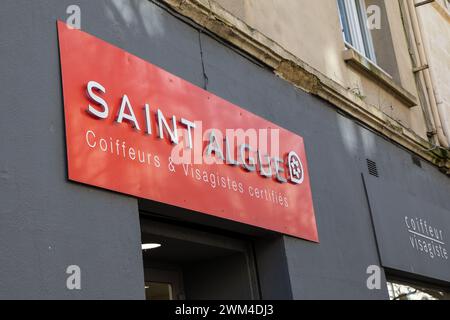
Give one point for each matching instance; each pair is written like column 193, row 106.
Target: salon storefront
column 165, row 164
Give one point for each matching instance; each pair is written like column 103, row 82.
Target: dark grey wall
column 273, row 271
column 405, row 226
column 335, row 268
column 337, row 148
column 47, row 223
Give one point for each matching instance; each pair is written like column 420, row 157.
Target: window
column 367, row 32
column 399, row 290
column 356, row 33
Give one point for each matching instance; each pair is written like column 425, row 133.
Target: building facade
column 364, row 83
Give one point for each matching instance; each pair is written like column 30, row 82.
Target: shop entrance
column 185, row 263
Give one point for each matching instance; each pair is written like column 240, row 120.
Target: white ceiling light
column 149, row 246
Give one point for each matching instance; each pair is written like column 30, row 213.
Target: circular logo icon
column 295, row 168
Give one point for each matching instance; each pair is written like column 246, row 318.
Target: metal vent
column 372, row 167
column 416, row 161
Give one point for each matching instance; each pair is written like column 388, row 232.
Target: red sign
column 134, row 128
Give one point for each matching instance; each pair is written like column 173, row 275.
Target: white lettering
column 92, row 85
column 127, row 116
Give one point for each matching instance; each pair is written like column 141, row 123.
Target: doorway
column 185, row 263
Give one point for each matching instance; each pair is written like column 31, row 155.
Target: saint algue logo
column 248, row 156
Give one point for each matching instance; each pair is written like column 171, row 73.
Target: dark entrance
column 187, row 263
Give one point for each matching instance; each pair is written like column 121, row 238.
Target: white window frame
column 354, row 20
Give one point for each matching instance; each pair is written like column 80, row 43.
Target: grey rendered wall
column 336, row 268
column 47, row 223
column 337, row 148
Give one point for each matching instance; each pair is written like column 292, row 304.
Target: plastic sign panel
column 134, row 128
